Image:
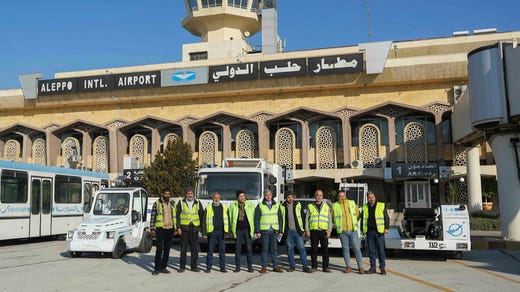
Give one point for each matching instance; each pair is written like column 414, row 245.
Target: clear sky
column 68, row 35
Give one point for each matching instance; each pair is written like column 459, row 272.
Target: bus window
column 68, row 189
column 87, row 197
column 35, row 197
column 14, row 187
column 46, row 196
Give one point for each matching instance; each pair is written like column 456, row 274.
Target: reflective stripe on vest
column 159, row 216
column 269, row 217
column 338, row 215
column 380, row 217
column 319, row 220
column 249, row 209
column 210, row 215
column 188, row 216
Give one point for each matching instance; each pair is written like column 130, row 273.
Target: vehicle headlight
column 70, row 234
column 111, row 234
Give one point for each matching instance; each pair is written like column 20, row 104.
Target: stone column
column 226, row 142
column 474, row 183
column 391, row 139
column 156, row 143
column 305, row 145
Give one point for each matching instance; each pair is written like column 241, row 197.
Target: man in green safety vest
column 268, row 228
column 375, row 224
column 346, row 216
column 162, row 226
column 319, row 227
column 242, row 214
column 189, row 216
column 215, row 227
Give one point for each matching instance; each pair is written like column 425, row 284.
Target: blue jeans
column 243, row 236
column 376, row 243
column 294, row 239
column 269, row 245
column 351, row 239
column 216, row 238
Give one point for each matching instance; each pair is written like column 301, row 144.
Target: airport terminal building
column 378, row 113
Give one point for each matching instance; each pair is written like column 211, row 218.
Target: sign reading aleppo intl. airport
column 173, row 77
column 233, row 72
column 56, row 86
column 283, row 68
column 138, row 80
column 95, row 83
column 339, row 64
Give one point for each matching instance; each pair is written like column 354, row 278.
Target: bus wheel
column 75, row 254
column 119, row 249
column 146, row 242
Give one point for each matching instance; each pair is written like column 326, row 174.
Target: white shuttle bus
column 38, row 200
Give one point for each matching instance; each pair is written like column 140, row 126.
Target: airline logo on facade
column 173, row 77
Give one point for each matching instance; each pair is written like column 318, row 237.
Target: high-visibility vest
column 269, row 217
column 298, row 211
column 249, row 209
column 319, row 220
column 338, row 215
column 159, row 216
column 209, row 218
column 188, row 216
column 380, row 217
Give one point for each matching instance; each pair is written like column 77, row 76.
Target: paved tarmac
column 46, row 266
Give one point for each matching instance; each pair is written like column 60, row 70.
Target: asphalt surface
column 46, row 266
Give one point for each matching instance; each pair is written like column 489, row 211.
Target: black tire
column 76, row 254
column 145, row 246
column 119, row 249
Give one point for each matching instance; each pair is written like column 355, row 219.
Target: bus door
column 41, row 205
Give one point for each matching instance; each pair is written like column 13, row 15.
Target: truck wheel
column 119, row 249
column 75, row 254
column 146, row 242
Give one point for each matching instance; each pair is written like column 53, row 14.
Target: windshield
column 227, row 183
column 111, row 204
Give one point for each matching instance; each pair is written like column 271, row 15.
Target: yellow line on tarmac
column 485, row 271
column 408, row 277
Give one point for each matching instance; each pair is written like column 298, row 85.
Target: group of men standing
column 269, row 221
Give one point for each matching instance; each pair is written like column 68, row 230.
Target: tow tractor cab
column 253, row 175
column 443, row 228
column 118, row 222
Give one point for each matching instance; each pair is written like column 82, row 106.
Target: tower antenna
column 368, row 18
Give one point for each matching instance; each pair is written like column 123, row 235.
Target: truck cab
column 118, row 223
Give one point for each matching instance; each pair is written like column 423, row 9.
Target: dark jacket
column 258, row 213
column 298, row 227
column 372, row 220
column 203, row 223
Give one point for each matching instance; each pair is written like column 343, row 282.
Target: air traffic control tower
column 225, row 25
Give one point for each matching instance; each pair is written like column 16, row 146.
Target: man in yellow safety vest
column 375, row 224
column 268, row 228
column 162, row 226
column 319, row 228
column 215, row 227
column 189, row 216
column 242, row 214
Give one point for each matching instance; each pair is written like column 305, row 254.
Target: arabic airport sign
column 408, row 170
column 186, row 76
column 339, row 64
column 233, row 72
column 283, row 68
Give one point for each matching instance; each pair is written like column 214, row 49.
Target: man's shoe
column 182, row 270
column 371, row 271
column 263, row 270
column 196, row 270
column 278, row 269
column 223, row 270
column 383, row 272
column 207, row 271
column 307, row 270
column 156, row 272
column 327, row 270
column 165, row 271
column 291, row 269
column 347, row 270
column 237, row 270
column 250, row 270
column 361, row 271
column 314, row 270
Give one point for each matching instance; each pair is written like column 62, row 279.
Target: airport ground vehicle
column 38, row 200
column 445, row 228
column 118, row 223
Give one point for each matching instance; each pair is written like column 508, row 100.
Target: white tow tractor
column 445, row 228
column 118, row 223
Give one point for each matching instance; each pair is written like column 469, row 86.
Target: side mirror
column 272, row 180
column 135, row 217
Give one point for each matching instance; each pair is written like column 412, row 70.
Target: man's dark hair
column 240, row 192
column 165, row 190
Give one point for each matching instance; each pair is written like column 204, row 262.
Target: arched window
column 39, row 153
column 12, row 150
column 369, row 140
column 101, row 152
column 70, row 147
column 139, row 147
column 415, row 142
column 284, row 147
column 169, row 138
column 208, row 142
column 245, row 144
column 326, row 148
